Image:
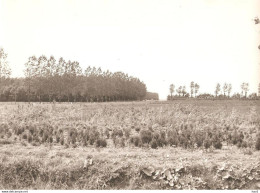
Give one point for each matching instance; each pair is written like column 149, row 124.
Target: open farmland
column 183, row 144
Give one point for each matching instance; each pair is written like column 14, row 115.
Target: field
column 182, row 144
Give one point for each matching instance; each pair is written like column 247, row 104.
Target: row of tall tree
column 226, row 91
column 181, row 91
column 47, row 79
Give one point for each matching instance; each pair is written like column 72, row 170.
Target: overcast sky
column 159, row 41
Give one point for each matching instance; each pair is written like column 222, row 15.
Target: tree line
column 225, row 94
column 48, row 79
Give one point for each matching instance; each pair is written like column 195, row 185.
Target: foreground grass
column 56, row 167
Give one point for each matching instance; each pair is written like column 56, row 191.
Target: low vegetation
column 205, row 127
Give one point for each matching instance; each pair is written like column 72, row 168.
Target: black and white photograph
column 129, row 95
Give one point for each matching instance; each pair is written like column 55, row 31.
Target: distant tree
column 217, row 90
column 192, row 88
column 40, row 76
column 225, row 89
column 30, row 73
column 183, row 91
column 197, row 87
column 172, row 89
column 179, row 90
column 259, row 89
column 229, row 89
column 5, row 71
column 245, row 88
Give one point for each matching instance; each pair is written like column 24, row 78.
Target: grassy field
column 184, row 144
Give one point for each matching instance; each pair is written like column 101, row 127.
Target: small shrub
column 107, row 134
column 67, row 145
column 137, row 129
column 117, row 132
column 36, row 139
column 127, row 133
column 146, row 136
column 207, row 143
column 162, row 134
column 29, row 138
column 122, row 142
column 57, row 139
column 50, row 139
column 9, row 134
column 136, row 141
column 217, row 144
column 62, row 141
column 154, row 144
column 20, row 131
column 73, row 139
column 156, row 135
column 161, row 141
column 101, row 143
column 31, row 130
column 44, row 137
column 257, row 145
column 24, row 136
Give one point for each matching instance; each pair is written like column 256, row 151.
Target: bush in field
column 172, row 141
column 41, row 132
column 101, row 143
column 199, row 137
column 107, row 134
column 156, row 135
column 257, row 145
column 31, row 129
column 117, row 133
column 207, row 143
column 136, row 141
column 244, row 144
column 93, row 136
column 127, row 132
column 137, row 129
column 73, row 138
column 217, row 142
column 146, row 136
column 29, row 138
column 19, row 131
column 44, row 137
column 154, row 144
column 162, row 142
column 36, row 138
column 163, row 134
column 50, row 140
column 122, row 142
column 24, row 136
column 57, row 139
column 62, row 141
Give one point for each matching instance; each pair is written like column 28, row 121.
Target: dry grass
column 27, row 165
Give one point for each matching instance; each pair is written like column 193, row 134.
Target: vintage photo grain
column 129, row 95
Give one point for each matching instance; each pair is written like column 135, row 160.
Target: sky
column 161, row 42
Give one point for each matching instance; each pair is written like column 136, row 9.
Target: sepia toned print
column 133, row 95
